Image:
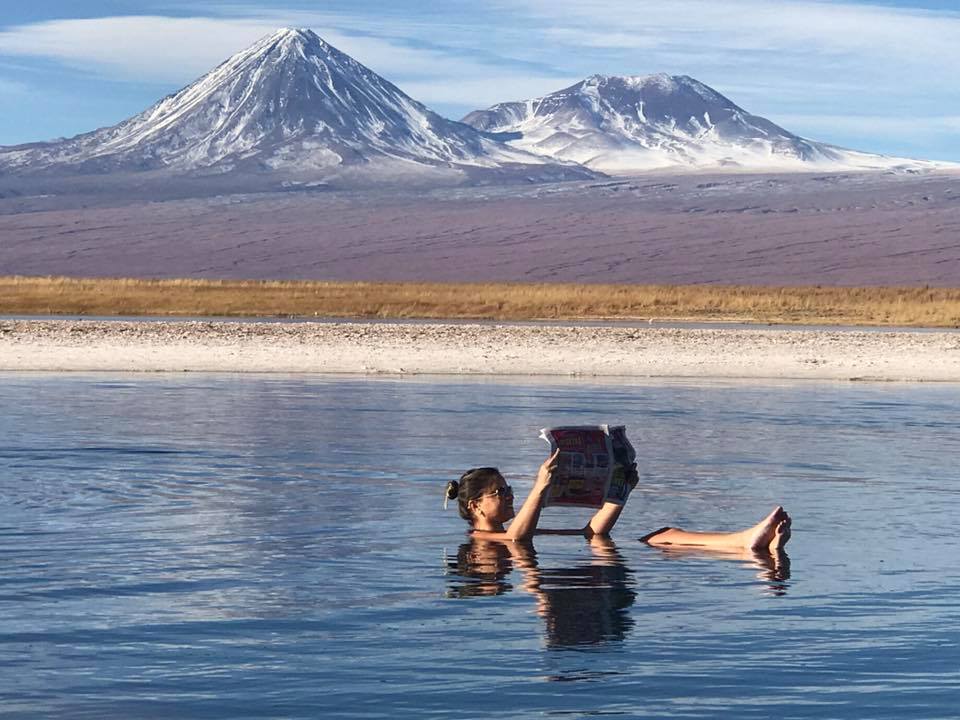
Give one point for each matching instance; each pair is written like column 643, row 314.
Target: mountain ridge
column 291, row 109
column 635, row 123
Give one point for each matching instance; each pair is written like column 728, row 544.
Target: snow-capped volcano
column 623, row 124
column 290, row 102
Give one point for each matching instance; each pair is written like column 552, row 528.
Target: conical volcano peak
column 289, row 102
column 301, row 52
column 303, row 39
column 293, row 33
column 300, row 41
column 288, row 36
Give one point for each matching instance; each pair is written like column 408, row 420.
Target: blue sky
column 879, row 76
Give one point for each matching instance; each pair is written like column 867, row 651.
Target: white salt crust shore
column 475, row 349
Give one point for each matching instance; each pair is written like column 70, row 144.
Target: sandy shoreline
column 385, row 348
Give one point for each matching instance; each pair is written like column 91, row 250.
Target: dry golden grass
column 931, row 307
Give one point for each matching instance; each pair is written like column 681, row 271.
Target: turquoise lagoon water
column 202, row 546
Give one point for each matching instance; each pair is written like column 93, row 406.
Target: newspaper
column 592, row 466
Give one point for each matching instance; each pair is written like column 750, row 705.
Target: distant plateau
column 793, row 229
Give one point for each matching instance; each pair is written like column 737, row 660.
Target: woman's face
column 496, row 502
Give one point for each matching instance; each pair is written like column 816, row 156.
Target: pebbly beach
column 90, row 345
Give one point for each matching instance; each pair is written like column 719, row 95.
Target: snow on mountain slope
column 289, row 102
column 620, row 125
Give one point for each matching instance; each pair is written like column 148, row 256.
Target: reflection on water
column 585, row 604
column 588, row 603
column 772, row 567
column 480, row 569
column 227, row 547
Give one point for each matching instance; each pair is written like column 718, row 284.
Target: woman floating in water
column 486, row 502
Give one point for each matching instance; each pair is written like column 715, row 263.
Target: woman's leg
column 772, row 533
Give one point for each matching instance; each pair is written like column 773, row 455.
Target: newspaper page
column 592, row 465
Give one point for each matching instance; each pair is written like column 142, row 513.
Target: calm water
column 232, row 547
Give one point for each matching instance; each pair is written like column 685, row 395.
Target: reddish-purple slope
column 781, row 230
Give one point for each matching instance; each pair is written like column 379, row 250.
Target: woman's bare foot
column 772, row 532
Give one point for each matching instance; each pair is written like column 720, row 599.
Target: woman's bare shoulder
column 489, row 535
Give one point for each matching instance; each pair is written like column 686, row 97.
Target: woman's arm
column 606, row 517
column 525, row 522
column 603, row 520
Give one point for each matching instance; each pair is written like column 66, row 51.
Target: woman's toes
column 781, row 534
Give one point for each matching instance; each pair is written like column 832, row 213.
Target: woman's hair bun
column 453, row 489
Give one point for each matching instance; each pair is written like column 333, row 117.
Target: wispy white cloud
column 876, row 49
column 745, row 25
column 608, row 40
column 158, row 48
column 141, row 47
column 745, row 38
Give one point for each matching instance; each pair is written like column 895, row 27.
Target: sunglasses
column 501, row 492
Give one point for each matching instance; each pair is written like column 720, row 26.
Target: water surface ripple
column 267, row 546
